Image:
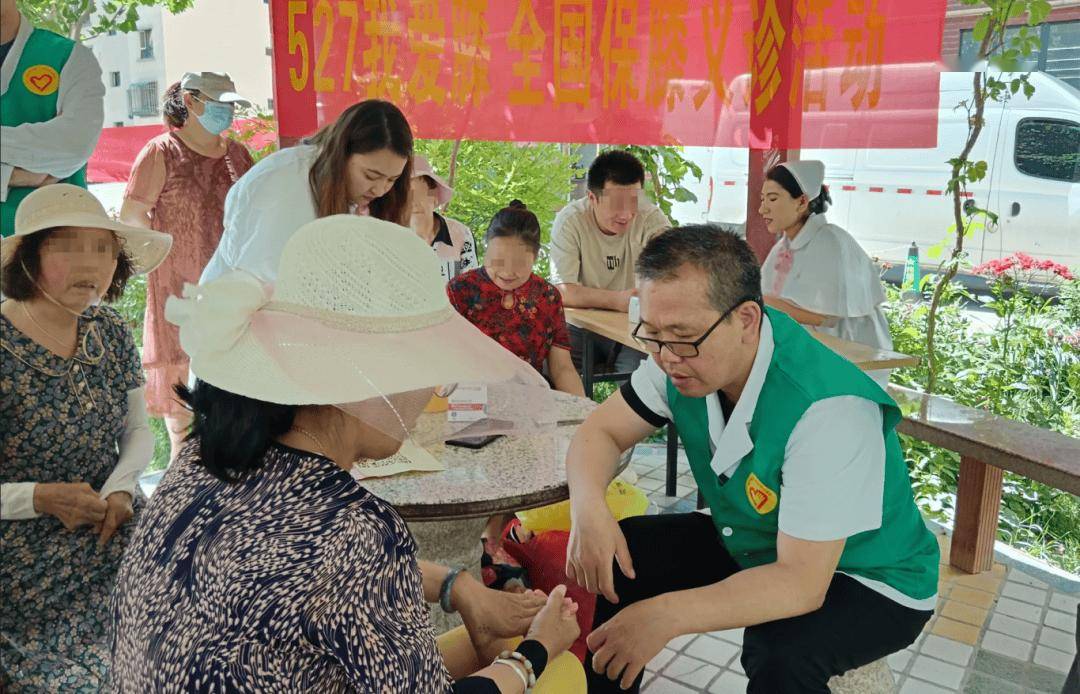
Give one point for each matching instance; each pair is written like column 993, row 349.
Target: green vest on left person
column 31, row 98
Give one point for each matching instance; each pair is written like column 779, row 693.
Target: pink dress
column 186, row 192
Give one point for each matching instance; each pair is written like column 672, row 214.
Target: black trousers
column 854, row 627
column 608, row 355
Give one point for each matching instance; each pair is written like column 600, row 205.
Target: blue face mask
column 216, row 117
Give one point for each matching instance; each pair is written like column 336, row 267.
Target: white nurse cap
column 809, row 174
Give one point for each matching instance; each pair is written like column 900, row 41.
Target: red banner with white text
column 615, row 71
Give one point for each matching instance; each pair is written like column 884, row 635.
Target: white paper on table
column 411, row 458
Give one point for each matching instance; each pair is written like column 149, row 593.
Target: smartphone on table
column 474, row 442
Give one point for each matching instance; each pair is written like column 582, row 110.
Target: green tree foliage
column 85, row 19
column 488, row 175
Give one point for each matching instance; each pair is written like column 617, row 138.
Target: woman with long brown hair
column 359, row 164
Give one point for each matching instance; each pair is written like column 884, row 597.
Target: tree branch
column 959, row 187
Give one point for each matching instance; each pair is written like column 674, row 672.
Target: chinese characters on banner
column 617, row 71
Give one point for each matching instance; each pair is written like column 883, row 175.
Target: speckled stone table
column 446, row 511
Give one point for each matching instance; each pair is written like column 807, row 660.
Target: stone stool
column 874, row 678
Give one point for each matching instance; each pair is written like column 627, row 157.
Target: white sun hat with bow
column 359, row 312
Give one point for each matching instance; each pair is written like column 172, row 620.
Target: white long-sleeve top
column 136, row 450
column 60, row 146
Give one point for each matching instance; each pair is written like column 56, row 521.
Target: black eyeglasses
column 686, row 350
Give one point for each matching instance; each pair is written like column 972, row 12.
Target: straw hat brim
column 337, row 367
column 146, row 248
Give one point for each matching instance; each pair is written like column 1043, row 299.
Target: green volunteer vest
column 44, row 56
column 901, row 553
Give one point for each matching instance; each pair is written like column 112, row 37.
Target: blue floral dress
column 60, row 421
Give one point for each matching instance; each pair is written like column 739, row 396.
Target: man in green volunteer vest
column 814, row 544
column 51, row 110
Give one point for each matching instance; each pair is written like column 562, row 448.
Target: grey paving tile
column 1024, row 593
column 734, row 636
column 914, row 686
column 900, row 660
column 1041, row 679
column 1011, row 626
column 657, row 474
column 1063, row 602
column 999, row 666
column 978, row 683
column 1057, row 639
column 680, row 642
column 1060, row 620
column 712, row 650
column 660, row 659
column 946, row 649
column 648, row 484
column 937, row 671
column 1006, row 645
column 1021, row 610
column 1016, row 576
column 729, row 683
column 1053, row 658
column 662, row 685
column 691, row 671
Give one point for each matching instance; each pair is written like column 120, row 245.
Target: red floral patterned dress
column 528, row 321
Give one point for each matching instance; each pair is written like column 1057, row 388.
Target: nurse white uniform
column 824, row 270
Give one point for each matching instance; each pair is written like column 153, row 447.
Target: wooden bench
column 988, row 445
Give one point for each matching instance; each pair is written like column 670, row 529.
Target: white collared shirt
column 833, row 477
column 262, row 211
column 61, row 146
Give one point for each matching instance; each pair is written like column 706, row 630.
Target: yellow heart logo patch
column 761, row 497
column 41, row 80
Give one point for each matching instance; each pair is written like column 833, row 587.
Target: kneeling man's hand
column 625, row 644
column 596, row 538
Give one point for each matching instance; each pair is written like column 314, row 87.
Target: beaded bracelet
column 513, row 665
column 514, row 656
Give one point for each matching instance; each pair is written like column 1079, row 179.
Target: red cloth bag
column 545, row 558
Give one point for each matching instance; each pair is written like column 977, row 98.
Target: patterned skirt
column 55, row 614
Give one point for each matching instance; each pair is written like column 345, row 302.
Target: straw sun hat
column 65, row 205
column 359, row 311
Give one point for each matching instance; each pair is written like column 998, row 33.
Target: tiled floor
column 993, row 633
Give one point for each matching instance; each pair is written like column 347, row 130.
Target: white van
column 887, row 198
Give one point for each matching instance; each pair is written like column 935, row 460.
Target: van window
column 1048, row 149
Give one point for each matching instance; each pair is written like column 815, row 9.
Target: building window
column 1058, row 54
column 269, row 51
column 270, row 104
column 1063, row 51
column 142, row 99
column 1048, row 149
column 118, row 124
column 112, row 32
column 146, row 44
column 114, row 79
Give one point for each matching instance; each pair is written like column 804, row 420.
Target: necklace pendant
column 509, row 301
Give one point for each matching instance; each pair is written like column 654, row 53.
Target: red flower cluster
column 1073, row 339
column 1021, row 262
